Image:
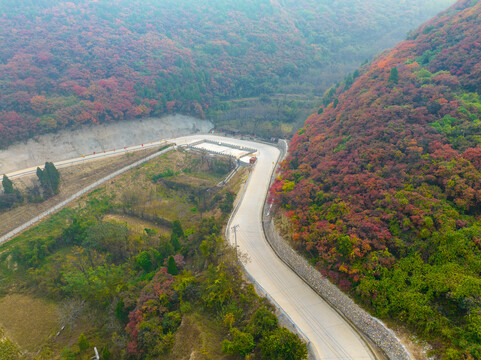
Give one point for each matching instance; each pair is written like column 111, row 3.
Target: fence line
column 57, row 207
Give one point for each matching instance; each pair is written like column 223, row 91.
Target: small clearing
column 137, row 225
column 29, row 320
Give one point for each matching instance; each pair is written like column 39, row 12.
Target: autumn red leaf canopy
column 64, row 64
column 382, row 187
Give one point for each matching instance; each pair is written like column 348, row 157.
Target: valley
column 212, row 179
column 264, row 268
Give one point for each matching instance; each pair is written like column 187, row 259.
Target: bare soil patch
column 135, row 224
column 198, row 338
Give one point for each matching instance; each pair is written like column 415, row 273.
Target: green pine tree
column 53, row 176
column 394, row 77
column 174, row 241
column 44, row 183
column 177, row 229
column 40, row 176
column 7, row 185
column 176, row 235
column 83, row 343
column 49, row 179
column 172, row 266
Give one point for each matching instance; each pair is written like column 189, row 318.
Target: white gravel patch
column 225, row 150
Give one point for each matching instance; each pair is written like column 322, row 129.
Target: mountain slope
column 383, row 186
column 63, row 64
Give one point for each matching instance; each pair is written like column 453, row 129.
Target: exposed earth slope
column 382, row 187
column 67, row 144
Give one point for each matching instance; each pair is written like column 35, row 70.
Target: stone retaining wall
column 371, row 327
column 367, row 325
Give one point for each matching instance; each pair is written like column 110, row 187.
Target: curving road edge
column 329, row 336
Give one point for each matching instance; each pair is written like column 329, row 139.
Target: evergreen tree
column 10, row 195
column 394, row 77
column 7, row 185
column 83, row 343
column 44, row 183
column 174, row 241
column 49, row 179
column 53, row 176
column 40, row 176
column 172, row 266
column 176, row 235
column 177, row 229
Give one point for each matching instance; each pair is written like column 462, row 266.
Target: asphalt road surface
column 329, row 334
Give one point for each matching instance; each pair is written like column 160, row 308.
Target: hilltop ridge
column 64, row 64
column 382, row 187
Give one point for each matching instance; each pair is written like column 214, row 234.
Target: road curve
column 329, row 334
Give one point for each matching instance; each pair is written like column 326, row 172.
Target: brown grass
column 28, row 321
column 135, row 224
column 198, row 338
column 156, row 199
column 74, row 179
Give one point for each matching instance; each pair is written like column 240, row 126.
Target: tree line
column 49, row 181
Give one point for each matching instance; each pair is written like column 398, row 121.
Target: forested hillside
column 382, row 187
column 138, row 269
column 63, row 64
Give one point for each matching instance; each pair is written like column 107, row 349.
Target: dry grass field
column 28, row 321
column 73, row 179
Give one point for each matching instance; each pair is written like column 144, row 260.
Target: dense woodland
column 382, row 187
column 64, row 64
column 130, row 278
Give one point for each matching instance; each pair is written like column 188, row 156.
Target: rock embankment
column 370, row 327
column 67, row 144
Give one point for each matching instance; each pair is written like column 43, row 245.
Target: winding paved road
column 329, row 335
